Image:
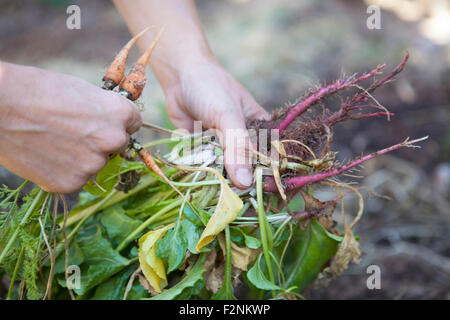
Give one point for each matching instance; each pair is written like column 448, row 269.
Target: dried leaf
column 152, row 266
column 226, row 211
column 276, row 172
column 214, row 279
column 241, row 257
column 349, row 250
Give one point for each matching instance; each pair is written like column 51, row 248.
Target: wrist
column 7, row 78
column 170, row 68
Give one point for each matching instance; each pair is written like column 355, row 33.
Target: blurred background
column 279, row 49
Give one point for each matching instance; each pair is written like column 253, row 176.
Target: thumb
column 236, row 145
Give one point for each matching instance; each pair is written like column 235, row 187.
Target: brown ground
column 278, row 49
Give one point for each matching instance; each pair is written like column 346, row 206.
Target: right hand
column 57, row 130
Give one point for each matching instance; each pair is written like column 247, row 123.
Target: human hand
column 206, row 92
column 195, row 85
column 57, row 130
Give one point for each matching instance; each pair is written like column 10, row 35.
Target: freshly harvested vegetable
column 132, row 85
column 116, row 70
column 173, row 227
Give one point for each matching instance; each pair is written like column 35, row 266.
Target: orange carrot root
column 116, row 70
column 132, row 85
column 151, row 164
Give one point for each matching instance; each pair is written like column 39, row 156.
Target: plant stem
column 147, row 222
column 145, row 182
column 89, row 214
column 264, row 229
column 196, row 184
column 14, row 275
column 85, row 217
column 227, row 278
column 29, row 212
column 15, row 192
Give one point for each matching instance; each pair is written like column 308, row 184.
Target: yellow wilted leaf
column 151, row 265
column 226, row 211
column 241, row 257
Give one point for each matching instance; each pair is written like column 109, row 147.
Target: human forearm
column 183, row 42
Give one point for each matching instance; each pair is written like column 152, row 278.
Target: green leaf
column 237, row 235
column 258, row 279
column 76, row 257
column 149, row 207
column 172, row 247
column 192, row 215
column 137, row 292
column 240, row 237
column 106, row 178
column 309, row 251
column 117, row 224
column 251, row 242
column 130, row 166
column 114, row 288
column 192, row 233
column 334, row 237
column 101, row 261
column 189, row 286
column 297, row 203
column 204, row 216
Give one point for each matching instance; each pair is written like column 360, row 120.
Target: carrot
column 116, row 70
column 132, row 85
column 151, row 164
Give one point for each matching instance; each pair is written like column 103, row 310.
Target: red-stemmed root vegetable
column 306, row 134
column 301, row 181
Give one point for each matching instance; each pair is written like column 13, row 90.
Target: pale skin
column 59, row 132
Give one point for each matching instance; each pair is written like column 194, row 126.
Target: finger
column 123, row 145
column 134, row 122
column 236, row 145
column 112, row 141
column 253, row 111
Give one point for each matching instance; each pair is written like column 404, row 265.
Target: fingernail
column 244, row 177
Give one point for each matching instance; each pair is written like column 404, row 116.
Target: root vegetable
column 132, row 85
column 301, row 181
column 116, row 70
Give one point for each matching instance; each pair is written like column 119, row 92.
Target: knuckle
column 122, row 108
column 112, row 140
column 65, row 184
column 122, row 140
column 125, row 112
column 91, row 166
